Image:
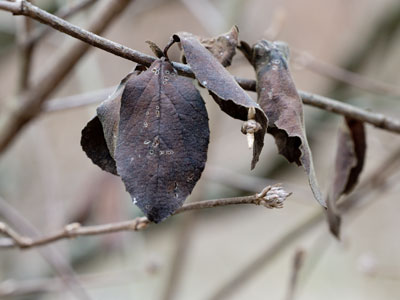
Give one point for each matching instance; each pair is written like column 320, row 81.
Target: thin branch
column 295, row 233
column 49, row 253
column 76, row 101
column 368, row 84
column 32, row 99
column 376, row 119
column 35, row 97
column 64, row 13
column 270, row 197
column 24, row 31
column 325, row 103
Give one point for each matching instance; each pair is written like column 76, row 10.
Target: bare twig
column 77, row 101
column 325, row 103
column 64, row 13
column 270, row 197
column 343, row 75
column 376, row 119
column 28, row 38
column 33, row 99
column 26, row 51
column 296, row 232
column 49, row 253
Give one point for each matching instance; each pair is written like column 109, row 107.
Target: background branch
column 64, row 12
column 363, row 191
column 270, row 197
column 49, row 253
column 340, row 74
column 24, row 31
column 298, row 261
column 33, row 99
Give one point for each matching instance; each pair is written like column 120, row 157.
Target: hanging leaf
column 223, row 47
column 278, row 97
column 349, row 163
column 95, row 146
column 100, row 134
column 108, row 111
column 163, row 138
column 231, row 98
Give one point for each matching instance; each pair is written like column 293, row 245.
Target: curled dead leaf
column 231, row 98
column 95, row 146
column 349, row 162
column 223, row 47
column 99, row 136
column 278, row 97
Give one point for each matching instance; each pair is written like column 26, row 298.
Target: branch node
column 140, row 224
column 70, row 229
column 250, row 127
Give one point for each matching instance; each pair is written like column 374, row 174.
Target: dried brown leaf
column 231, row 98
column 350, row 156
column 100, row 134
column 108, row 111
column 95, row 146
column 278, row 97
column 163, row 138
column 156, row 50
column 223, row 47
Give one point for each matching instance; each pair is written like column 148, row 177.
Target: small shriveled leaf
column 349, row 163
column 231, row 98
column 108, row 111
column 100, row 134
column 95, row 146
column 278, row 97
column 223, row 47
column 156, row 50
column 163, row 138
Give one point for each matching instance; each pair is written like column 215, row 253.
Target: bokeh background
column 49, row 181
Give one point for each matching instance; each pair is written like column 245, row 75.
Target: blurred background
column 244, row 252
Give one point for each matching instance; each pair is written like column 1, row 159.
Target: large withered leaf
column 350, row 156
column 163, row 138
column 223, row 47
column 100, row 134
column 231, row 98
column 278, row 97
